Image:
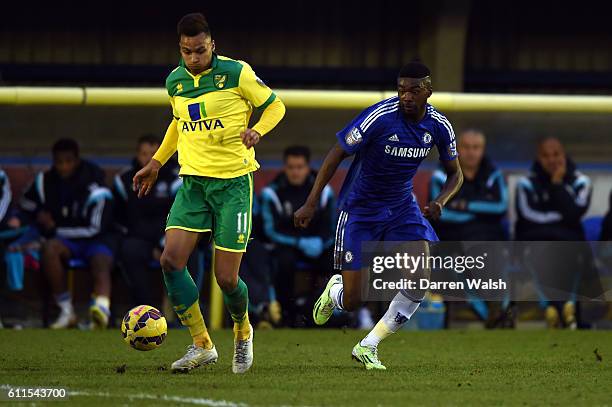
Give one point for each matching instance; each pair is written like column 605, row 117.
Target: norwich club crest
column 220, row 80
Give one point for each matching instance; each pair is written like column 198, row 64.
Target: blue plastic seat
column 592, row 227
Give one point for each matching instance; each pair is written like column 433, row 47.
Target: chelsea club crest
column 426, row 138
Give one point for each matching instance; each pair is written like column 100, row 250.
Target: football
column 144, row 328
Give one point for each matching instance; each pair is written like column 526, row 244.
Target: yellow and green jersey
column 211, row 110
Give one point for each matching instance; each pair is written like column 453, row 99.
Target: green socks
column 237, row 301
column 182, row 291
column 184, row 295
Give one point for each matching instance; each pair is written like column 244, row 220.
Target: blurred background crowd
column 71, row 224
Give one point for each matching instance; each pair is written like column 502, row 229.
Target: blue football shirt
column 388, row 150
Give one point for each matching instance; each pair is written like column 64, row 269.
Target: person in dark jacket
column 6, row 223
column 73, row 211
column 604, row 249
column 142, row 220
column 550, row 203
column 475, row 213
column 9, row 222
column 553, row 198
column 310, row 247
column 606, row 225
column 256, row 269
column 5, row 199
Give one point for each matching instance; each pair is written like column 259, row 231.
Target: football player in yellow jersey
column 212, row 99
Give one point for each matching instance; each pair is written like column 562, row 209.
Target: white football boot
column 195, row 357
column 243, row 354
column 64, row 320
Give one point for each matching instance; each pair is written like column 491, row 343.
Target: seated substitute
column 257, row 272
column 606, row 225
column 73, row 211
column 475, row 213
column 550, row 203
column 142, row 221
column 5, row 198
column 310, row 246
column 8, row 224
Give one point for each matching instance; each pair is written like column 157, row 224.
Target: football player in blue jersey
column 388, row 140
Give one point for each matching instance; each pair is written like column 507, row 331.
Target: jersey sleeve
column 270, row 117
column 357, row 133
column 328, row 207
column 445, row 140
column 34, row 197
column 173, row 86
column 271, row 208
column 98, row 216
column 121, row 183
column 169, row 143
column 254, row 89
column 572, row 201
column 174, row 112
column 493, row 200
column 5, row 194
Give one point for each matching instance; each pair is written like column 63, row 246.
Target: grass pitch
column 313, row 367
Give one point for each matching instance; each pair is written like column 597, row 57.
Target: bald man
column 552, row 199
column 475, row 214
column 477, row 210
column 550, row 204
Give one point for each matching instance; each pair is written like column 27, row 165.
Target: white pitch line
column 132, row 397
column 177, row 399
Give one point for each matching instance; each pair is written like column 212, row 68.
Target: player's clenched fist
column 144, row 179
column 303, row 216
column 433, row 210
column 250, row 137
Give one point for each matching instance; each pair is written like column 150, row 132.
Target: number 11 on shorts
column 242, row 222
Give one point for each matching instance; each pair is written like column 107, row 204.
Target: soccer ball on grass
column 144, row 328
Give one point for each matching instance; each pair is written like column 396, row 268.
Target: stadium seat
column 592, row 227
column 80, row 264
column 507, row 227
column 76, row 264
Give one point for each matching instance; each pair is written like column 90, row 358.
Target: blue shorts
column 84, row 250
column 353, row 230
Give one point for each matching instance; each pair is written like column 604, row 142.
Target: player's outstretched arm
column 304, row 215
column 144, row 179
column 454, row 180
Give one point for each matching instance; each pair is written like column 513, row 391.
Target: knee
column 170, row 261
column 350, row 302
column 101, row 263
column 227, row 266
column 227, row 282
column 52, row 248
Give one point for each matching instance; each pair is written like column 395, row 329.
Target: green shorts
column 217, row 205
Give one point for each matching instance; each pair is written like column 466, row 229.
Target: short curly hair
column 192, row 24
